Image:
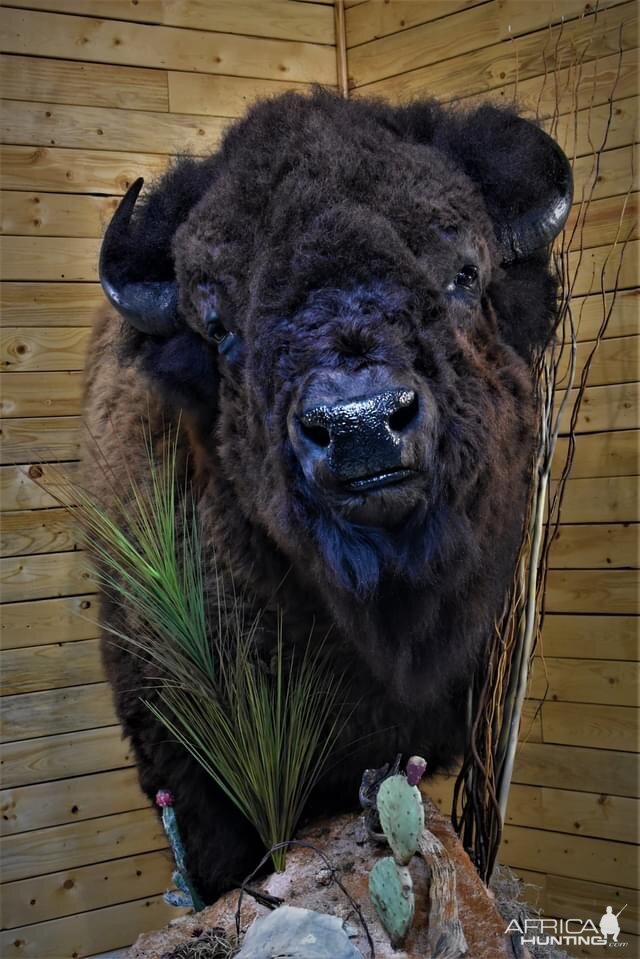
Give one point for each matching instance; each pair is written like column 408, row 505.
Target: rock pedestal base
column 306, row 883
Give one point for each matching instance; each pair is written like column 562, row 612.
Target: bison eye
column 466, row 279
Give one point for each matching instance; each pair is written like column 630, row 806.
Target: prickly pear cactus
column 391, row 891
column 401, row 816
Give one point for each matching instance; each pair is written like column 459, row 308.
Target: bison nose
column 363, row 441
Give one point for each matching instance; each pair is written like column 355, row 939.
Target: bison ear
column 525, row 177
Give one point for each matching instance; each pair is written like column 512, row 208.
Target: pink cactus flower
column 416, row 767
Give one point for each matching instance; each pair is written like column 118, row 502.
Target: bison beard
column 343, row 302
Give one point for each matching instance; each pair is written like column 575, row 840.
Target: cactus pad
column 401, row 816
column 391, row 891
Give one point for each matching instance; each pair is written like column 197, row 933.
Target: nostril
column 318, row 435
column 402, row 418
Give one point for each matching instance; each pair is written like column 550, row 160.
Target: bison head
column 346, row 298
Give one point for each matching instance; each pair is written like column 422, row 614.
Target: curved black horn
column 539, row 226
column 151, row 306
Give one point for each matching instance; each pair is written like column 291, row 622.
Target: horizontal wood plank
column 45, row 438
column 43, row 349
column 50, row 304
column 47, row 258
column 103, row 128
column 600, row 454
column 207, row 95
column 41, row 394
column 93, row 84
column 70, row 800
column 86, row 887
column 43, row 622
column 596, row 727
column 78, row 844
column 621, row 307
column 86, row 934
column 596, row 546
column 44, row 576
column 576, row 856
column 594, row 637
column 614, row 174
column 260, row 18
column 134, row 44
column 54, row 214
column 577, row 898
column 372, row 20
column 51, row 666
column 603, row 221
column 607, row 772
column 38, row 531
column 592, row 591
column 63, row 756
column 62, row 170
column 598, row 681
column 556, row 810
column 604, row 408
column 611, row 499
column 55, row 711
column 39, row 485
column 612, row 360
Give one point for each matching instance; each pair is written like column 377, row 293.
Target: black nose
column 361, row 440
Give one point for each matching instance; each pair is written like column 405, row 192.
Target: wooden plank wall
column 96, row 93
column 574, row 806
column 91, row 101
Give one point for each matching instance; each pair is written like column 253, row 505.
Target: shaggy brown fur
column 328, row 234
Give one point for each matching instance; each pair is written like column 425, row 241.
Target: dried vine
column 499, row 686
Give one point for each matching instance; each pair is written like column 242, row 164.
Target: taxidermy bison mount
column 342, row 305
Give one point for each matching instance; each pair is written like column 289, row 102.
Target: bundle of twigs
column 499, row 686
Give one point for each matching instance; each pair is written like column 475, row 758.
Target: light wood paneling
column 70, row 800
column 61, row 170
column 97, row 128
column 51, row 666
column 47, row 621
column 86, row 934
column 134, row 44
column 600, row 454
column 87, row 887
column 39, row 80
column 44, row 531
column 601, row 681
column 56, row 711
column 595, row 546
column 69, row 754
column 54, row 214
column 265, row 18
column 606, row 772
column 78, row 844
column 47, row 438
column 497, row 65
column 43, row 349
column 592, row 637
column 43, row 576
column 593, row 591
column 50, row 304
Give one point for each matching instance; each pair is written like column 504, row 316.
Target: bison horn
column 539, row 226
column 149, row 306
